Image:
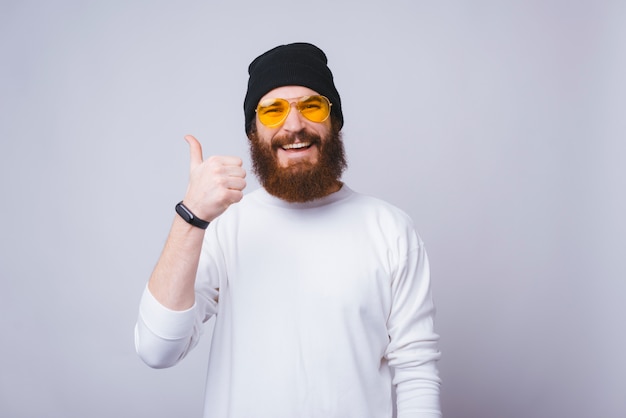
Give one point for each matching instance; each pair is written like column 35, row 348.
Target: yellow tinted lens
column 273, row 112
column 314, row 108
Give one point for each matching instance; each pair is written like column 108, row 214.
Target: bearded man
column 321, row 295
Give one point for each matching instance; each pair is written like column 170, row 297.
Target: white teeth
column 297, row 145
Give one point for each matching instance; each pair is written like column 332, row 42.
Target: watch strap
column 189, row 217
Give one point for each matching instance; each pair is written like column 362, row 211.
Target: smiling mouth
column 296, row 146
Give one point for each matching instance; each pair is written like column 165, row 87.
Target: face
column 293, row 148
column 299, row 160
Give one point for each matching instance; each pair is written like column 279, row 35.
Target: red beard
column 302, row 181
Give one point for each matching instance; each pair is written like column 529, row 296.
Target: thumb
column 195, row 150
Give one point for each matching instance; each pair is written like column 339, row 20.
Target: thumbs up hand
column 214, row 183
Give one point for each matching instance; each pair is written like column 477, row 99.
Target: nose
column 294, row 121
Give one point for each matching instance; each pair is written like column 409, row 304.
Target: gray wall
column 498, row 126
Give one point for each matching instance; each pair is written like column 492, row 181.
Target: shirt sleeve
column 413, row 351
column 163, row 336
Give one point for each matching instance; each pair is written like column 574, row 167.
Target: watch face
column 189, row 217
column 183, row 212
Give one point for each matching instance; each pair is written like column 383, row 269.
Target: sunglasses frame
column 298, row 101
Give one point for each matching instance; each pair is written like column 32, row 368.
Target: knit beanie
column 297, row 64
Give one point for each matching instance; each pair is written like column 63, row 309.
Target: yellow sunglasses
column 273, row 112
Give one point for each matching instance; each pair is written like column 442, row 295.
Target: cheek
column 324, row 129
column 263, row 132
column 264, row 135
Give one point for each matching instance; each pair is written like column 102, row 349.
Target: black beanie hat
column 297, row 64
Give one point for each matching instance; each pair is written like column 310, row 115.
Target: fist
column 214, row 183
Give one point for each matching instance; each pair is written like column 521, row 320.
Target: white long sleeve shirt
column 322, row 309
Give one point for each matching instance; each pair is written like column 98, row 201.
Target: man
column 321, row 295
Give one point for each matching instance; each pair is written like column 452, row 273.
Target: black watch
column 189, row 217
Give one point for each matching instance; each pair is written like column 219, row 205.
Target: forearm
column 413, row 349
column 172, row 281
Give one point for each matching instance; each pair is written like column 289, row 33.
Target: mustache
column 302, row 136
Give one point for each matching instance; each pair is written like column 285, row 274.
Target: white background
column 498, row 126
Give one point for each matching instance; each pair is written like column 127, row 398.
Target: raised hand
column 214, row 183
